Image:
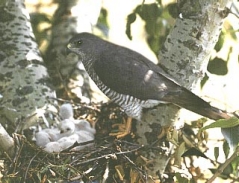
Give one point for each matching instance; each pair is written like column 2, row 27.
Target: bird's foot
column 120, row 135
column 124, row 129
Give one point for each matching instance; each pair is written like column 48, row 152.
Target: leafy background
column 124, row 21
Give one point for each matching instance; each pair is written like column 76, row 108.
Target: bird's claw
column 120, row 135
column 124, row 129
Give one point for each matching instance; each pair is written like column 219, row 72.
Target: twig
column 25, row 176
column 109, row 155
column 224, row 165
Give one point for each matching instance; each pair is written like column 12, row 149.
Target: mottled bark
column 67, row 73
column 185, row 54
column 24, row 80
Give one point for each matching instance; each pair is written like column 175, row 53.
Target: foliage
column 157, row 27
column 122, row 157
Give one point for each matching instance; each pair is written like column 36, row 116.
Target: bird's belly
column 132, row 106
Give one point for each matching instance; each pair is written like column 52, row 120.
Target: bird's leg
column 91, row 120
column 123, row 131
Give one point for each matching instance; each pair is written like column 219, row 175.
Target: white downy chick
column 66, row 127
column 47, row 135
column 69, row 132
column 66, row 142
column 53, row 147
column 42, row 138
column 66, row 111
column 54, row 133
column 85, row 132
column 64, row 139
column 83, row 126
column 75, row 131
column 83, row 136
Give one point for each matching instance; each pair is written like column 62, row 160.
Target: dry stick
column 25, row 176
column 224, row 165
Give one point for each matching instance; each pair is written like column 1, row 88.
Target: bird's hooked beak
column 62, row 131
column 68, row 48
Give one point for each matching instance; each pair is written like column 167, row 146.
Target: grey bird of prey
column 132, row 81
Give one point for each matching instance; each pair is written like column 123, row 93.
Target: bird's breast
column 131, row 105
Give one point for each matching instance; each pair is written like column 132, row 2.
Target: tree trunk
column 185, row 55
column 24, row 79
column 67, row 73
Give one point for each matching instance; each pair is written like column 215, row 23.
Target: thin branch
column 223, row 166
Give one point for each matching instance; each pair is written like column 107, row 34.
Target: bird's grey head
column 85, row 44
column 66, row 111
column 82, row 124
column 66, row 126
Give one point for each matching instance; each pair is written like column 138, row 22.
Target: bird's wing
column 135, row 75
column 132, row 75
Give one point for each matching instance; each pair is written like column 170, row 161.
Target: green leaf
column 204, row 80
column 130, row 19
column 222, row 123
column 216, row 152
column 220, row 42
column 173, row 10
column 150, row 13
column 156, row 25
column 194, row 152
column 226, row 148
column 231, row 31
column 102, row 23
column 217, row 66
column 235, row 164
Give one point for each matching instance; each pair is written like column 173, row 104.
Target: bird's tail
column 192, row 102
